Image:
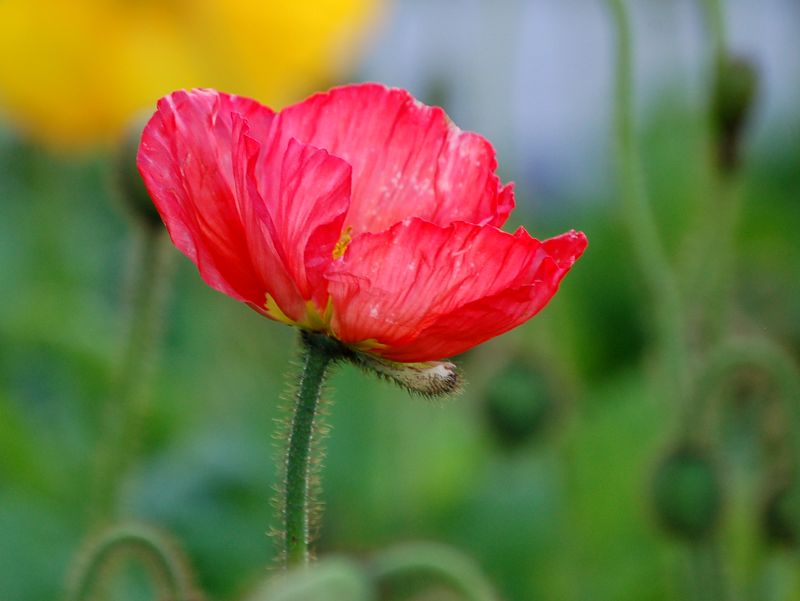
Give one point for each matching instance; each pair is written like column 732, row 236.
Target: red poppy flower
column 359, row 212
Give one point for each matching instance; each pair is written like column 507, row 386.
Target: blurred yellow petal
column 75, row 73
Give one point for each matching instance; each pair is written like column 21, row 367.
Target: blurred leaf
column 332, row 579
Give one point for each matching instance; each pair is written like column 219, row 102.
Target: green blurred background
column 543, row 470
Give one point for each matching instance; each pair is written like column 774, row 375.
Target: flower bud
column 733, row 95
column 687, row 494
column 429, row 378
column 519, row 402
column 781, row 515
column 128, row 182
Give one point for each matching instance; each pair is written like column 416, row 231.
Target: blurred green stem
column 710, row 266
column 297, row 500
column 128, row 405
column 653, row 263
column 709, row 584
column 711, row 247
column 453, row 569
column 716, row 27
column 162, row 559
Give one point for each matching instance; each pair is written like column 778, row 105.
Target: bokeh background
column 549, row 471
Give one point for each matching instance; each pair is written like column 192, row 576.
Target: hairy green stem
column 457, row 572
column 128, row 404
column 653, row 262
column 160, row 556
column 297, row 498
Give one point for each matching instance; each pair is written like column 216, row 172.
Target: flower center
column 341, row 245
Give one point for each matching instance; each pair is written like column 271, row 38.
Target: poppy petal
column 421, row 292
column 198, row 158
column 309, row 194
column 185, row 160
column 408, row 159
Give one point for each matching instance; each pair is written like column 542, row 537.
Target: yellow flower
column 75, row 72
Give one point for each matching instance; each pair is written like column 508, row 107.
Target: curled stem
column 653, row 262
column 457, row 572
column 128, row 404
column 297, row 497
column 163, row 560
column 720, row 366
column 734, row 356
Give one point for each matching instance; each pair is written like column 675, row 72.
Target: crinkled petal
column 421, row 292
column 198, row 158
column 408, row 159
column 308, row 199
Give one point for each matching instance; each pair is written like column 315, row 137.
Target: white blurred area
column 536, row 76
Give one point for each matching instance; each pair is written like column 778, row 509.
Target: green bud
column 128, row 181
column 781, row 515
column 733, row 96
column 687, row 495
column 429, row 379
column 519, row 403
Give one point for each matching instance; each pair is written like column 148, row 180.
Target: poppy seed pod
column 687, row 494
column 519, row 403
column 735, row 87
column 781, row 515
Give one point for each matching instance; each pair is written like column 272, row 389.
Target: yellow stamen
column 341, row 245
